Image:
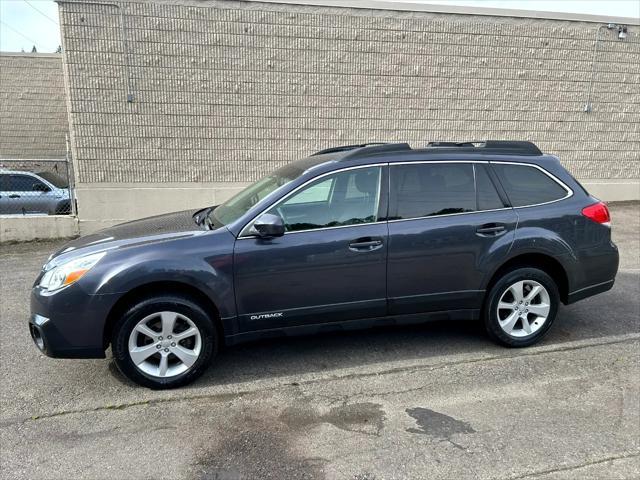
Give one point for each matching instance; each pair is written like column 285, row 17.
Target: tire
column 63, row 208
column 528, row 310
column 196, row 347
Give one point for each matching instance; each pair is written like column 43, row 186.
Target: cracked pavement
column 437, row 401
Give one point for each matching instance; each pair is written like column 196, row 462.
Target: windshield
column 241, row 203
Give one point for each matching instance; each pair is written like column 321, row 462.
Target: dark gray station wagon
column 349, row 237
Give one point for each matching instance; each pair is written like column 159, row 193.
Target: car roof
column 17, row 172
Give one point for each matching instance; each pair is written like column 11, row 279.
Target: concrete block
column 19, row 228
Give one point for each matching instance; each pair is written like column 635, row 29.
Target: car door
column 13, row 194
column 330, row 265
column 26, row 194
column 4, row 194
column 447, row 226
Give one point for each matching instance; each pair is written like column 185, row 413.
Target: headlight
column 69, row 272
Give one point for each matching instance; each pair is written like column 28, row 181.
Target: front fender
column 197, row 262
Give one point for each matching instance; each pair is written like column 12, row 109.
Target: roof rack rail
column 376, row 148
column 499, row 147
column 344, row 148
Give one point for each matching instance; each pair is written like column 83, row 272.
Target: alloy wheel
column 165, row 344
column 523, row 308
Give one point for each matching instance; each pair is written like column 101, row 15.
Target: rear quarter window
column 526, row 185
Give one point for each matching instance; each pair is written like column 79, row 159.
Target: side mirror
column 268, row 226
column 40, row 187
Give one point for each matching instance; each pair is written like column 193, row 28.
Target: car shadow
column 610, row 314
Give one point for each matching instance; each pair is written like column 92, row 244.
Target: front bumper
column 52, row 342
column 69, row 323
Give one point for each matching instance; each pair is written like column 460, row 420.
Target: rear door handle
column 491, row 230
column 14, row 196
column 365, row 244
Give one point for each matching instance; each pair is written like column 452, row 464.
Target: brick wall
column 33, row 111
column 227, row 91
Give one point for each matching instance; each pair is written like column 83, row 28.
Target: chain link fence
column 36, row 187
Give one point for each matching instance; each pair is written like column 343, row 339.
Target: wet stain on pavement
column 367, row 418
column 252, row 446
column 436, row 424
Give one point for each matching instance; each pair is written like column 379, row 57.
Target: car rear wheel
column 521, row 307
column 164, row 342
column 63, row 208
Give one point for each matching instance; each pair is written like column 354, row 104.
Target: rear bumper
column 594, row 272
column 590, row 291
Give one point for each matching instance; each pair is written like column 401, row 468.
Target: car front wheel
column 521, row 307
column 164, row 342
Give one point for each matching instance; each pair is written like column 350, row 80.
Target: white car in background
column 28, row 193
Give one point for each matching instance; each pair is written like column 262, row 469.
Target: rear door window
column 527, row 185
column 430, row 189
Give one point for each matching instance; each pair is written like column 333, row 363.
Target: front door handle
column 14, row 196
column 365, row 244
column 491, row 230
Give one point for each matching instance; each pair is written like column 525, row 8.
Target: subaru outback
column 349, row 237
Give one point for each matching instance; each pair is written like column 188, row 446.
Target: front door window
column 350, row 197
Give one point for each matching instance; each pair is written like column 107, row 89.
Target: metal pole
column 609, row 26
column 70, row 177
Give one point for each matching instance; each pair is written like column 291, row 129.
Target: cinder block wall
column 33, row 111
column 223, row 92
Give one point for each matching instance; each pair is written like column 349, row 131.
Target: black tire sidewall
column 63, row 208
column 143, row 308
column 490, row 312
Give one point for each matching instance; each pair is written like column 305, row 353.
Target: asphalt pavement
column 438, row 401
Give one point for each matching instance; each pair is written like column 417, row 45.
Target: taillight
column 598, row 212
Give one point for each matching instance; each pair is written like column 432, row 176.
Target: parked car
column 25, row 193
column 349, row 237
